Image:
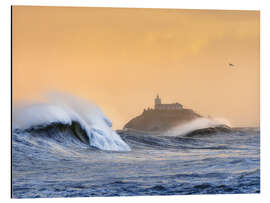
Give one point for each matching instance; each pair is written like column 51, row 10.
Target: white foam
column 64, row 108
column 196, row 124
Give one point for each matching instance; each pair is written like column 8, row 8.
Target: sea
column 50, row 160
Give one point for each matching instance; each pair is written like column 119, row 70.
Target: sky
column 121, row 58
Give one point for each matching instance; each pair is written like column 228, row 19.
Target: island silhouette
column 164, row 117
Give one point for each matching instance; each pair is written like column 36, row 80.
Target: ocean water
column 66, row 147
column 54, row 163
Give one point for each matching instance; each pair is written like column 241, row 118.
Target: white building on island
column 160, row 106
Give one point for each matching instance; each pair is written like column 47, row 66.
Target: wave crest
column 197, row 124
column 67, row 109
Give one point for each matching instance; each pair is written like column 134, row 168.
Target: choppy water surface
column 54, row 163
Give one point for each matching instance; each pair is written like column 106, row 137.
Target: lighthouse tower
column 157, row 102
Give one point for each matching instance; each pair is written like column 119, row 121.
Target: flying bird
column 231, row 65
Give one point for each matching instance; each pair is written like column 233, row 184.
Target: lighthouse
column 157, row 101
column 160, row 106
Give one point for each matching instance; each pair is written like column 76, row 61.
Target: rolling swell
column 50, row 130
column 206, row 138
column 52, row 161
column 209, row 131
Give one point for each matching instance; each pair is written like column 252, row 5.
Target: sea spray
column 196, row 124
column 65, row 109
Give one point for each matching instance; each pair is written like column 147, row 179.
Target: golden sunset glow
column 121, row 58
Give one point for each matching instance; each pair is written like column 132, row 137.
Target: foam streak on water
column 47, row 166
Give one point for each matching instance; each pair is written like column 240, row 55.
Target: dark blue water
column 57, row 164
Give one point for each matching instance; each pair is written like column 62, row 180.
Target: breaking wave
column 198, row 124
column 85, row 119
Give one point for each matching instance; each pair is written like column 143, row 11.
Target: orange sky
column 121, row 58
